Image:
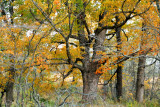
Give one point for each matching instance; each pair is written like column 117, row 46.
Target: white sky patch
column 130, row 22
column 149, row 61
column 91, row 52
column 53, row 33
column 61, row 46
column 54, row 16
column 29, row 33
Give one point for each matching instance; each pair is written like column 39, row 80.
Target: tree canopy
column 44, row 43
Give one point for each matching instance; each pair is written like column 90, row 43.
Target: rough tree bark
column 119, row 66
column 141, row 67
column 9, row 88
column 90, row 84
column 119, row 83
column 90, row 78
column 140, row 79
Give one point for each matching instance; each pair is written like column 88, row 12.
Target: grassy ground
column 71, row 96
column 73, row 102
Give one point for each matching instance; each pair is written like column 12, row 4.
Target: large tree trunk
column 90, row 84
column 140, row 79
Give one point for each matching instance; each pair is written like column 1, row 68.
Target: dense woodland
column 100, row 53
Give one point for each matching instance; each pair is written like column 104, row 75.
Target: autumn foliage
column 51, row 45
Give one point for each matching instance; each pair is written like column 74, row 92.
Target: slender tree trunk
column 141, row 67
column 10, row 84
column 90, row 84
column 9, row 88
column 151, row 96
column 104, row 88
column 119, row 67
column 134, row 79
column 140, row 79
column 119, row 83
column 9, row 94
column 3, row 13
column 111, row 88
